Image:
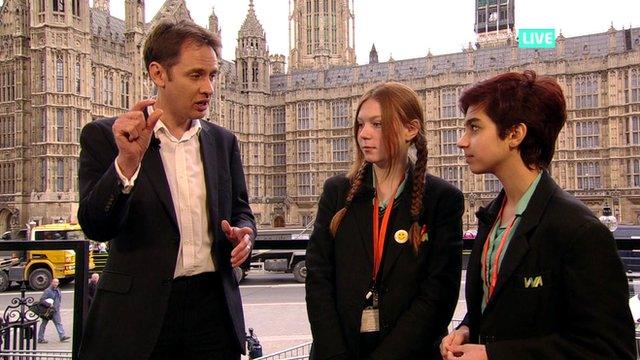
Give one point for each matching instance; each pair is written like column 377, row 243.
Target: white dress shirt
column 185, row 174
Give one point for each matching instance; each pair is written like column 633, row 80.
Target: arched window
column 77, row 76
column 254, row 72
column 59, row 73
column 60, row 175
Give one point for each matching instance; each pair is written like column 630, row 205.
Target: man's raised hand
column 240, row 238
column 133, row 134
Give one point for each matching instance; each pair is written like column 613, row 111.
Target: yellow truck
column 38, row 267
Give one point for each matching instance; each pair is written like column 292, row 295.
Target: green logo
column 536, row 38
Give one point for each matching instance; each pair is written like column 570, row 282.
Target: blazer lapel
column 485, row 216
column 361, row 211
column 519, row 244
column 393, row 249
column 209, row 153
column 153, row 170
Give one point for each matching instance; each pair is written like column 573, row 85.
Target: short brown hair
column 166, row 39
column 513, row 98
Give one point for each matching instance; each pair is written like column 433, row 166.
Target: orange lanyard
column 379, row 233
column 491, row 283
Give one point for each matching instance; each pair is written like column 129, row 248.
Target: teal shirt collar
column 383, row 204
column 526, row 197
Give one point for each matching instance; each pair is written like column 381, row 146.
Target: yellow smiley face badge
column 401, row 236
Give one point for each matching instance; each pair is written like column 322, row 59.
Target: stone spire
column 102, row 5
column 373, row 55
column 251, row 26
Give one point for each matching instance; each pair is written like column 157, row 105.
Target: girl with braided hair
column 384, row 258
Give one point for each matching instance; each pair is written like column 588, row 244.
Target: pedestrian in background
column 384, row 257
column 93, row 285
column 53, row 296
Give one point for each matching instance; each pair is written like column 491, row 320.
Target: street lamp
column 608, row 219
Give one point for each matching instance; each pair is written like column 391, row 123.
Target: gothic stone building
column 63, row 64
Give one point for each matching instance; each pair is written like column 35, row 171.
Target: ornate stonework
column 68, row 67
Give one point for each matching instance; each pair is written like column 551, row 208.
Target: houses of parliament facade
column 64, row 64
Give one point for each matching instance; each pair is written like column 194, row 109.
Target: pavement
column 274, row 306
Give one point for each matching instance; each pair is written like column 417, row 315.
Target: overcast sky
column 408, row 28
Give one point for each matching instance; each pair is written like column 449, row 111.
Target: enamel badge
column 401, row 236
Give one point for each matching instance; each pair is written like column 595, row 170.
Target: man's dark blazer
column 127, row 313
column 418, row 293
column 561, row 291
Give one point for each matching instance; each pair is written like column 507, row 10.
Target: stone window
column 60, row 125
column 305, row 151
column 124, row 92
column 59, row 73
column 341, row 149
column 280, row 185
column 277, row 115
column 634, row 172
column 586, row 91
column 453, row 174
column 633, row 130
column 306, row 113
column 587, row 134
column 448, row 140
column 279, row 154
column 60, row 175
column 305, row 184
column 449, row 103
column 491, row 183
column 588, row 175
column 77, row 74
column 632, row 86
column 340, row 114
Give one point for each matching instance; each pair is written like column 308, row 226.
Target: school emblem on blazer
column 531, row 282
column 401, row 236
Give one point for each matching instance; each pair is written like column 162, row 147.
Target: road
column 274, row 307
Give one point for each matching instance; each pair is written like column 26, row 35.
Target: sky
column 408, row 28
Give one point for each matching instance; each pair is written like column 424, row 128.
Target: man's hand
column 241, row 240
column 133, row 134
column 467, row 352
column 455, row 338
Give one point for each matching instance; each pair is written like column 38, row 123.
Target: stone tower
column 60, row 52
column 321, row 34
column 495, row 21
column 252, row 55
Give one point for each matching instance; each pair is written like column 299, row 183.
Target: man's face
column 55, row 283
column 188, row 85
column 95, row 278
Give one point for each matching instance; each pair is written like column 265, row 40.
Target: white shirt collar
column 194, row 130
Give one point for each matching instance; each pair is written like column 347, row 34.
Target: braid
column 417, row 192
column 356, row 182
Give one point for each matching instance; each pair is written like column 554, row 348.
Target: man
column 165, row 191
column 93, row 284
column 544, row 280
column 53, row 297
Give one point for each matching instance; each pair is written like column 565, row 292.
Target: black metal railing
column 19, row 324
column 81, row 248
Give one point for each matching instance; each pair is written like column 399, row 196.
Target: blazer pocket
column 115, row 282
column 534, row 281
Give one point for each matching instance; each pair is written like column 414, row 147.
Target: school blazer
column 418, row 292
column 561, row 291
column 126, row 315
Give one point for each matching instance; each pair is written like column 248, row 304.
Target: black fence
column 81, row 248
